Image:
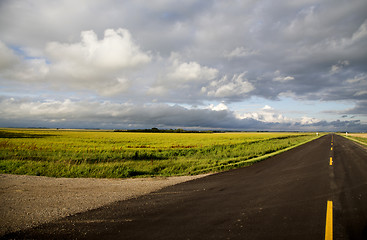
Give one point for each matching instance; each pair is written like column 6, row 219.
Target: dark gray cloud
column 188, row 53
column 360, row 108
column 26, row 112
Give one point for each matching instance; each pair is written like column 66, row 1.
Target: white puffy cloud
column 266, row 114
column 267, row 107
column 283, row 79
column 237, row 86
column 115, row 51
column 338, row 67
column 308, row 120
column 280, row 78
column 103, row 66
column 191, row 71
column 219, row 107
column 240, row 52
column 179, row 79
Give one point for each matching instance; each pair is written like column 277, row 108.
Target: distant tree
column 155, row 130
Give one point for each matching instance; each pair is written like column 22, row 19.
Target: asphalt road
column 283, row 197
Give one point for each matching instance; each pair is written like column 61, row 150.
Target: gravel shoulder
column 28, row 201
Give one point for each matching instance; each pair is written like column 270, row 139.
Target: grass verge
column 357, row 137
column 249, row 162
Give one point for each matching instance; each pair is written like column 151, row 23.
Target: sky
column 250, row 65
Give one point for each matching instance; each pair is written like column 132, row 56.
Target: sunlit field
column 78, row 153
column 361, row 137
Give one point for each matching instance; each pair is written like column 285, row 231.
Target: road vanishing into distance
column 315, row 191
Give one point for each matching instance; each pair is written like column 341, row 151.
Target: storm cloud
column 163, row 63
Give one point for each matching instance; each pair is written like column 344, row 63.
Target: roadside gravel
column 27, row 201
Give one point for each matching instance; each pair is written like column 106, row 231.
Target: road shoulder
column 28, row 201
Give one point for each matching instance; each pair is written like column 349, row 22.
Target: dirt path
column 27, row 201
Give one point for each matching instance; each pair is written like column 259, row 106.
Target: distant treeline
column 156, row 130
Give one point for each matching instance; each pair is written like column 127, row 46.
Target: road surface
column 283, row 197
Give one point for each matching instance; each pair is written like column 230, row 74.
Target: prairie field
column 108, row 154
column 361, row 137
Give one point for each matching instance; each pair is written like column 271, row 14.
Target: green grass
column 107, row 154
column 361, row 139
column 357, row 137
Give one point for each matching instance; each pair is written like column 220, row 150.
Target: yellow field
column 362, row 135
column 358, row 137
column 88, row 153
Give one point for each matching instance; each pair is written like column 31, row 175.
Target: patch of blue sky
column 289, row 107
column 21, row 52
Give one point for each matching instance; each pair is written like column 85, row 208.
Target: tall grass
column 358, row 137
column 122, row 154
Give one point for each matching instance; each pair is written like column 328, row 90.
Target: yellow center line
column 329, row 221
column 331, row 161
column 331, row 149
